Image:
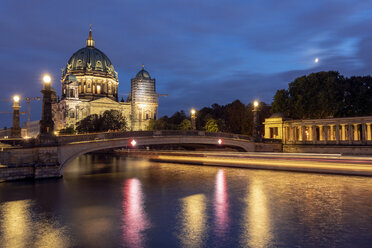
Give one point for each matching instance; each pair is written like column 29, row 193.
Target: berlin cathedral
column 90, row 86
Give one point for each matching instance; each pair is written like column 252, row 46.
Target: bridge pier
column 29, row 163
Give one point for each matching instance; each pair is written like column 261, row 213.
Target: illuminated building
column 90, row 86
column 346, row 130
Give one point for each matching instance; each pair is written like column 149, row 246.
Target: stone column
column 343, row 132
column 355, row 131
column 337, row 133
column 363, row 134
column 331, row 131
column 350, row 133
column 321, row 133
column 303, row 134
column 295, row 133
column 313, row 129
column 325, row 131
column 369, row 133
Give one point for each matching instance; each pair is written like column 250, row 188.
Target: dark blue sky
column 200, row 51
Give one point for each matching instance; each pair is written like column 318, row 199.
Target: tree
column 211, row 126
column 281, row 103
column 185, row 125
column 160, row 124
column 236, row 118
column 110, row 120
column 324, row 95
column 89, row 124
column 68, row 130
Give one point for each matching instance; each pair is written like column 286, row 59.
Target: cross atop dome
column 90, row 41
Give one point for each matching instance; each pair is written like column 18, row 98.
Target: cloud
column 200, row 52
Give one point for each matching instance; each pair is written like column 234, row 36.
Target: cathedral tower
column 144, row 100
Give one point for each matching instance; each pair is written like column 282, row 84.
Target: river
column 105, row 200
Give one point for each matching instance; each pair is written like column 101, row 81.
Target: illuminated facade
column 348, row 130
column 90, row 86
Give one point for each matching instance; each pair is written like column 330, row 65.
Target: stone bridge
column 43, row 161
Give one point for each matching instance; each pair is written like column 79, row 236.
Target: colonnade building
column 90, row 86
column 351, row 130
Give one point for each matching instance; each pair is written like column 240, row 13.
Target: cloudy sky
column 200, row 51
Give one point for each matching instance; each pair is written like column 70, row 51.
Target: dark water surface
column 111, row 201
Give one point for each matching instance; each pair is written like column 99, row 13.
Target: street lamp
column 47, row 79
column 16, row 99
column 256, row 124
column 46, row 122
column 47, row 82
column 16, row 129
column 193, row 119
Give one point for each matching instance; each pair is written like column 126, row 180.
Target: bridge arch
column 69, row 151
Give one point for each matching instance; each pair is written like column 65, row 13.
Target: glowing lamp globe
column 16, row 98
column 255, row 104
column 47, row 79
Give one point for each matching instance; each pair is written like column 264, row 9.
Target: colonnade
column 356, row 130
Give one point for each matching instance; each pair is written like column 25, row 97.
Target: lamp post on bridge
column 16, row 129
column 193, row 119
column 256, row 125
column 46, row 122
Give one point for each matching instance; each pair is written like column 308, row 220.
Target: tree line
column 325, row 95
column 234, row 117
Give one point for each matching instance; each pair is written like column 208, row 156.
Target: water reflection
column 134, row 219
column 256, row 217
column 16, row 223
column 19, row 229
column 193, row 220
column 221, row 204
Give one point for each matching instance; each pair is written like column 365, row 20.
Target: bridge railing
column 63, row 139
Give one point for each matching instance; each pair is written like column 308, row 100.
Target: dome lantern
column 143, row 74
column 90, row 41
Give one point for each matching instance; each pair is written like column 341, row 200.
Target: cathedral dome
column 90, row 60
column 89, row 74
column 143, row 74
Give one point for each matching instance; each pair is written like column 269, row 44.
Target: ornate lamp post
column 193, row 119
column 46, row 122
column 16, row 129
column 256, row 124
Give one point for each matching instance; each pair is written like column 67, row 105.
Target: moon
column 316, row 60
